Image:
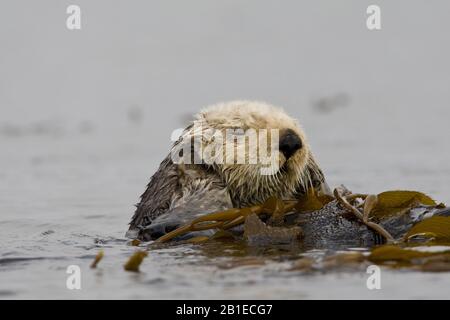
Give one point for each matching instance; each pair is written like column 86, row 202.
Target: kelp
column 304, row 264
column 273, row 207
column 243, row 262
column 364, row 216
column 436, row 229
column 135, row 261
column 392, row 253
column 417, row 258
column 135, row 242
column 340, row 261
column 312, row 201
column 375, row 208
column 197, row 240
column 369, row 209
column 406, row 252
column 398, row 202
column 227, row 219
column 257, row 232
column 97, row 259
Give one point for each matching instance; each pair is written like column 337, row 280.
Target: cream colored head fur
column 245, row 182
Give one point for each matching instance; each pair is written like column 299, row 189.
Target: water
column 86, row 117
column 64, row 197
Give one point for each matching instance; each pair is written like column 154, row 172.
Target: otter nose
column 289, row 143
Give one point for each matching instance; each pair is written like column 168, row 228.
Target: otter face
column 256, row 148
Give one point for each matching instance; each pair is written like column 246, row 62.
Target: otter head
column 257, row 150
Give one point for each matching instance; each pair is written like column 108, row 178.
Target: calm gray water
column 86, row 116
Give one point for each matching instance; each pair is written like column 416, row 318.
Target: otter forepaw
column 160, row 228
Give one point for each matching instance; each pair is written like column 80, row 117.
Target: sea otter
column 208, row 169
